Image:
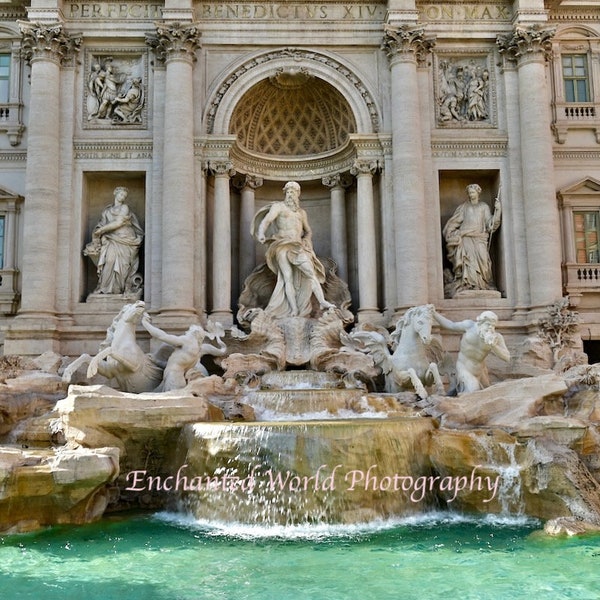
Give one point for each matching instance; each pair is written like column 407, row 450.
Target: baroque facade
column 384, row 112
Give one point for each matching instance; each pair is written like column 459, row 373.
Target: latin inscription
column 465, row 12
column 250, row 11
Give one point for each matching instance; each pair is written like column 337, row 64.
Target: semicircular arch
column 252, row 70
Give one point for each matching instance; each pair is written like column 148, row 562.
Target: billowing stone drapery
column 339, row 249
column 366, row 243
column 404, row 46
column 221, row 254
column 45, row 47
column 176, row 44
column 246, row 184
column 530, row 47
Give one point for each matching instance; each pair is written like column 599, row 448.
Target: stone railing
column 585, row 276
column 10, row 121
column 569, row 115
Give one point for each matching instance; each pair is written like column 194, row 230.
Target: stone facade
column 383, row 112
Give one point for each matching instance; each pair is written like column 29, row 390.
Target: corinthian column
column 246, row 184
column 339, row 248
column 176, row 45
column 221, row 258
column 45, row 47
column 530, row 47
column 404, row 46
column 366, row 243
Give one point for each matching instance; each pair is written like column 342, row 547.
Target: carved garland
column 297, row 55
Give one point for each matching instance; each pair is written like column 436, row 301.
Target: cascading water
column 306, row 470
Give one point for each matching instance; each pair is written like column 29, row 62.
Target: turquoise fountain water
column 167, row 557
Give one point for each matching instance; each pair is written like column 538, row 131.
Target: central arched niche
column 292, row 114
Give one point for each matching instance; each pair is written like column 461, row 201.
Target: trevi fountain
column 204, row 456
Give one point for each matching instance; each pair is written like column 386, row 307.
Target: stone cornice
column 47, row 42
column 527, row 42
column 406, row 42
column 175, row 41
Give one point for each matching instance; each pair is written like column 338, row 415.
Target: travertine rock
column 506, row 403
column 52, row 486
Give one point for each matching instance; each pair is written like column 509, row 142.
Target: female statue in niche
column 114, row 248
column 467, row 234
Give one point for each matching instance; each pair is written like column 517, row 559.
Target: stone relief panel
column 115, row 88
column 465, row 91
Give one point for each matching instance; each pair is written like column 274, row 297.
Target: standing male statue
column 467, row 234
column 283, row 227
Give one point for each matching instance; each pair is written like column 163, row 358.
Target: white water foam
column 322, row 531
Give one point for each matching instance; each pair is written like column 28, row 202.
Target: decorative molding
column 112, row 150
column 300, row 169
column 471, row 148
column 7, row 155
column 175, row 41
column 582, row 155
column 562, row 14
column 296, row 55
column 47, row 42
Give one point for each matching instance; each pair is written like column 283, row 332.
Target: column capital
column 242, row 181
column 527, row 43
column 339, row 180
column 175, row 41
column 364, row 167
column 220, row 168
column 49, row 42
column 406, row 43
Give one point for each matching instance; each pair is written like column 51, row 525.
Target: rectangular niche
column 464, row 86
column 115, row 88
column 98, row 195
column 453, row 194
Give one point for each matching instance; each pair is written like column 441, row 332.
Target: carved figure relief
column 463, row 93
column 114, row 92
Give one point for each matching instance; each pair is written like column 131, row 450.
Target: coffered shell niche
column 294, row 114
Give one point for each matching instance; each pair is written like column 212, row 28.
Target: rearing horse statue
column 120, row 357
column 409, row 364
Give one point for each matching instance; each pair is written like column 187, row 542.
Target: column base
column 371, row 316
column 225, row 317
column 32, row 335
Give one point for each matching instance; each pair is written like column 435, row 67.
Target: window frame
column 574, row 78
